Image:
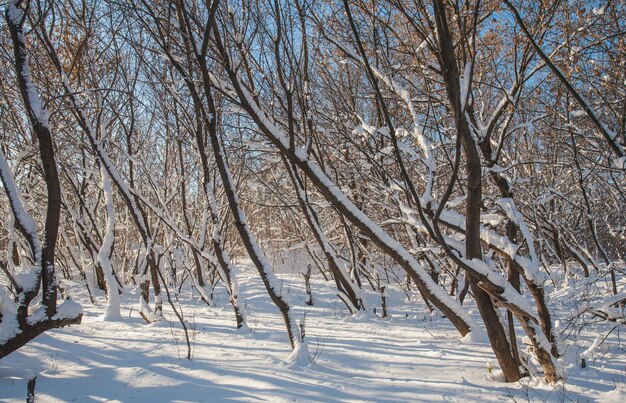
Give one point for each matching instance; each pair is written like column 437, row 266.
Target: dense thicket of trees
column 476, row 147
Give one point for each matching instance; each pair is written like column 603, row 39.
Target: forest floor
column 408, row 356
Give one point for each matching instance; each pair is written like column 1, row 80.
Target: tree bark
column 489, row 313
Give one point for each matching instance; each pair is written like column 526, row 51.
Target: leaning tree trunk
column 252, row 247
column 440, row 299
column 348, row 292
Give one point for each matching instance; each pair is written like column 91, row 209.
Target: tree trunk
column 491, row 317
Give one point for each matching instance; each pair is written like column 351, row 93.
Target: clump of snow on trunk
column 299, row 357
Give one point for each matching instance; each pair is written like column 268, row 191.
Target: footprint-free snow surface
column 408, row 356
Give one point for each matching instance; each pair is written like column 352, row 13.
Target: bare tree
column 22, row 326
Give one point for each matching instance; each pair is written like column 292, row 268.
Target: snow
column 17, row 207
column 481, row 267
column 411, row 356
column 9, row 326
column 233, row 284
column 392, row 243
column 112, row 311
column 13, row 13
column 465, row 84
column 29, row 279
column 478, row 336
column 531, row 269
column 68, row 309
column 599, row 10
column 326, row 247
column 491, row 219
column 418, row 133
column 103, row 155
column 511, row 295
column 337, row 196
column 299, row 357
column 613, row 300
column 38, row 111
column 38, row 315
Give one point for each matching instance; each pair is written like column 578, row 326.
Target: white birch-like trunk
column 112, row 310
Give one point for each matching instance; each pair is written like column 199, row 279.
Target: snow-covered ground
column 409, row 356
